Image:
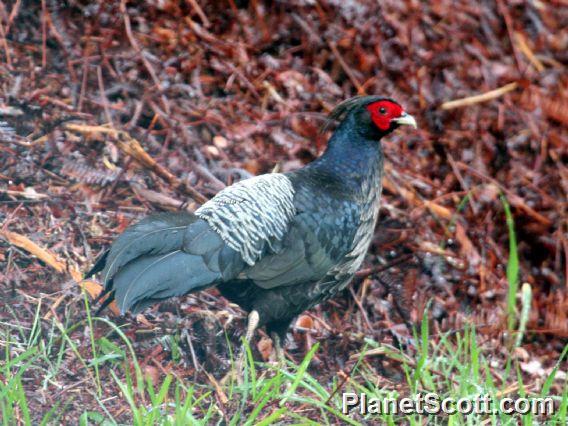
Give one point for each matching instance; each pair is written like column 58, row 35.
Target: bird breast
column 369, row 200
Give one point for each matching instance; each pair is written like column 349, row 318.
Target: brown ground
column 231, row 89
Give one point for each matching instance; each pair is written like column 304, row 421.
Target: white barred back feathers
column 251, row 214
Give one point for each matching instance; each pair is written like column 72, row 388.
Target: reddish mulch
column 226, row 90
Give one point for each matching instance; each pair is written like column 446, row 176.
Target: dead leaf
column 305, row 321
column 264, row 346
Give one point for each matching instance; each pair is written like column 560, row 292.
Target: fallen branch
column 484, row 97
column 411, row 197
column 53, row 261
column 132, row 147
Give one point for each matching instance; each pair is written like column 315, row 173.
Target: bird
column 276, row 244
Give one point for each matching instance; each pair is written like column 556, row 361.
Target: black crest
column 349, row 105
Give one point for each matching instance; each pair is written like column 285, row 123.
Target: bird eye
column 383, row 110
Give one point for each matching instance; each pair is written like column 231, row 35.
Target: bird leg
column 252, row 324
column 280, row 356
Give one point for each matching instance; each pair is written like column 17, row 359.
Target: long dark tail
column 162, row 256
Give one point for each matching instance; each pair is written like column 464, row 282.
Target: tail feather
column 109, row 299
column 163, row 256
column 157, row 234
column 159, row 277
column 99, row 264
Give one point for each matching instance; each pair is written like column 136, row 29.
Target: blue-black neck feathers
column 354, row 154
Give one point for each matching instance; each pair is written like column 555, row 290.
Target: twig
column 411, row 196
column 348, row 71
column 206, row 173
column 222, row 398
column 43, row 34
column 363, row 273
column 84, row 79
column 208, row 37
column 565, row 246
column 132, row 147
column 29, row 193
column 52, row 260
column 514, row 199
column 196, row 364
column 6, row 47
column 484, row 97
column 139, row 51
column 200, row 12
column 104, row 98
column 57, row 28
column 463, row 183
column 164, row 201
column 509, row 25
column 313, row 36
column 200, row 170
column 136, row 46
column 402, row 358
column 243, row 79
column 523, row 45
column 346, row 377
column 361, row 309
column 13, row 14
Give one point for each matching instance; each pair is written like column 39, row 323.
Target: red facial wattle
column 383, row 112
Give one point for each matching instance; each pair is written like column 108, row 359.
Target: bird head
column 374, row 116
column 387, row 115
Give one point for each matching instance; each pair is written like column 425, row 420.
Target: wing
column 252, row 216
column 320, row 236
column 287, row 230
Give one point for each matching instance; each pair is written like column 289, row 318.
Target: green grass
column 512, row 267
column 453, row 365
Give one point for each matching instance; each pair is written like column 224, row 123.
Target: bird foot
column 236, row 373
column 238, row 369
column 280, row 356
column 232, row 375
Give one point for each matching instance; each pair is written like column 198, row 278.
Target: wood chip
column 484, row 97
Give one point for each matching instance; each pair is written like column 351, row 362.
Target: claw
column 237, row 370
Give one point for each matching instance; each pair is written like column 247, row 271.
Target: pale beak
column 405, row 119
